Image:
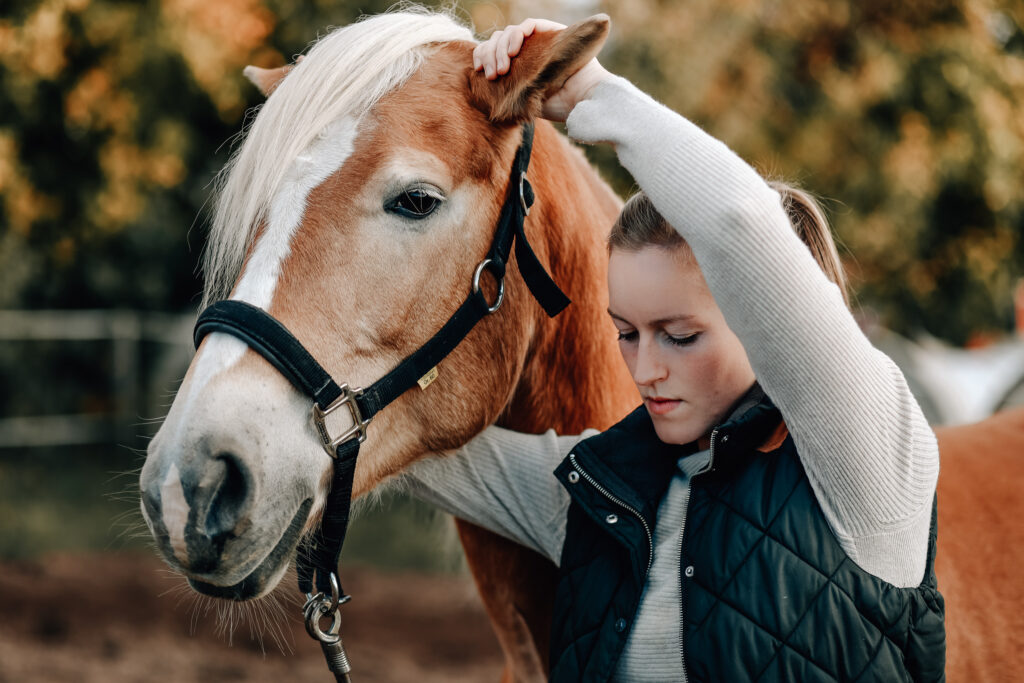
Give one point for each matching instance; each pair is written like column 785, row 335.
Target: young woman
column 768, row 513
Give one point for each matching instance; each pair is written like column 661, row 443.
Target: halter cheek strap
column 318, row 556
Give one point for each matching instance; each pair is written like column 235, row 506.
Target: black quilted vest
column 768, row 593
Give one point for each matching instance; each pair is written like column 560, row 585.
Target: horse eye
column 414, row 203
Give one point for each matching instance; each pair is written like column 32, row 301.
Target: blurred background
column 907, row 119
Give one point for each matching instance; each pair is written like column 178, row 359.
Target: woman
column 717, row 534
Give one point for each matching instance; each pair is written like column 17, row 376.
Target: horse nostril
column 229, row 501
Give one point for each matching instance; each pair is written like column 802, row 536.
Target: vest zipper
column 604, row 492
column 682, row 531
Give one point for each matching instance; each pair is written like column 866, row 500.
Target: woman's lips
column 660, row 406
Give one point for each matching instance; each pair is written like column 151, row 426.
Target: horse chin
column 267, row 573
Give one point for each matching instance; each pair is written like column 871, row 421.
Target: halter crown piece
column 317, row 558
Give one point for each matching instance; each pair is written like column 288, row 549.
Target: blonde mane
column 343, row 74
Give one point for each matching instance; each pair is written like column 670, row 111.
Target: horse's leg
column 981, row 547
column 517, row 587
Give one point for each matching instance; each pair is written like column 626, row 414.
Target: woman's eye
column 627, row 336
column 682, row 341
column 414, row 203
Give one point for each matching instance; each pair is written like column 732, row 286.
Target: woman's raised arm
column 868, row 451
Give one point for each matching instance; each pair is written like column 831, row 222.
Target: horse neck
column 573, row 377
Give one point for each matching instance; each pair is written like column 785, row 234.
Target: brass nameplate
column 428, row 378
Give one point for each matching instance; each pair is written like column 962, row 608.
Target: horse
column 355, row 211
column 979, row 546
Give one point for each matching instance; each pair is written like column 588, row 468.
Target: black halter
column 317, row 560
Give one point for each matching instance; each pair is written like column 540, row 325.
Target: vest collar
column 630, row 461
column 634, row 465
column 754, row 425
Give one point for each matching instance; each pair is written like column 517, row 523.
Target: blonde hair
column 640, row 225
column 344, row 74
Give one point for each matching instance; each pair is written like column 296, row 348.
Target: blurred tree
column 109, row 116
column 113, row 115
column 910, row 115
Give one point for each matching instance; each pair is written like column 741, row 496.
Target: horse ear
column 545, row 63
column 266, row 80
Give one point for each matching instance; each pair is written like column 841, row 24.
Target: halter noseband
column 317, row 559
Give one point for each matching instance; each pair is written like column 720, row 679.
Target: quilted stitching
column 887, row 633
column 767, row 536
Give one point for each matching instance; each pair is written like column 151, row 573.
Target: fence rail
column 126, row 331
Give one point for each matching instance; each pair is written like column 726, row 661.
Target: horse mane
column 344, row 74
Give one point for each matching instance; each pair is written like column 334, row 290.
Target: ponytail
column 811, row 226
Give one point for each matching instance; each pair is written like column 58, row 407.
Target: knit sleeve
column 502, row 481
column 867, row 449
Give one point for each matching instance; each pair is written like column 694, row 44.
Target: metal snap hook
column 336, row 597
column 314, row 613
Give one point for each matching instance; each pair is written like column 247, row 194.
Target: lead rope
column 317, row 562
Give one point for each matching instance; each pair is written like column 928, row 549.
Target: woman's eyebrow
column 682, row 317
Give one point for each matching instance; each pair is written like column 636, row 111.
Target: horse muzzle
column 224, row 503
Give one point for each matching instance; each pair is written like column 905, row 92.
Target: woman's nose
column 649, row 366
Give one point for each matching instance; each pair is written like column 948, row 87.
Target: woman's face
column 688, row 365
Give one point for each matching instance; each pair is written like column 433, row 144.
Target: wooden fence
column 125, row 331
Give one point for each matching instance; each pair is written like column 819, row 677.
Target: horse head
column 356, row 211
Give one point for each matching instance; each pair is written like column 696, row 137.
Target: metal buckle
column 348, row 397
column 522, row 195
column 501, row 285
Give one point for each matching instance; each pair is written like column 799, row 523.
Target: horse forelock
column 343, row 75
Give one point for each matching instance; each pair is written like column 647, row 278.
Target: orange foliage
column 217, row 40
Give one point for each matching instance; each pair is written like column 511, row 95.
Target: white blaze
column 174, row 512
column 259, row 280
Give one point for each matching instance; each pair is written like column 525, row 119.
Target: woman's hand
column 494, row 57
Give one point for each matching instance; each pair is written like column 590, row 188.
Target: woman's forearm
column 502, row 481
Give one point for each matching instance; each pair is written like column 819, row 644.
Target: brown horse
column 981, row 545
column 355, row 212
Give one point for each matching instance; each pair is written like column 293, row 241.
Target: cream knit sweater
column 871, row 457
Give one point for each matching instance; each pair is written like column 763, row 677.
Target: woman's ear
column 266, row 80
column 544, row 64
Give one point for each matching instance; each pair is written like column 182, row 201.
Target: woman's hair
column 640, row 225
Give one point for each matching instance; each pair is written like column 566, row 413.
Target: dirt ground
column 123, row 617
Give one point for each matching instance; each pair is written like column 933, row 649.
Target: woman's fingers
column 494, row 55
column 480, row 55
column 501, row 60
column 541, row 26
column 490, row 54
column 514, row 44
column 528, row 26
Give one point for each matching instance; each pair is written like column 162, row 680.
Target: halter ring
column 501, row 285
column 522, row 194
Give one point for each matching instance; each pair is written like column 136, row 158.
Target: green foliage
column 908, row 117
